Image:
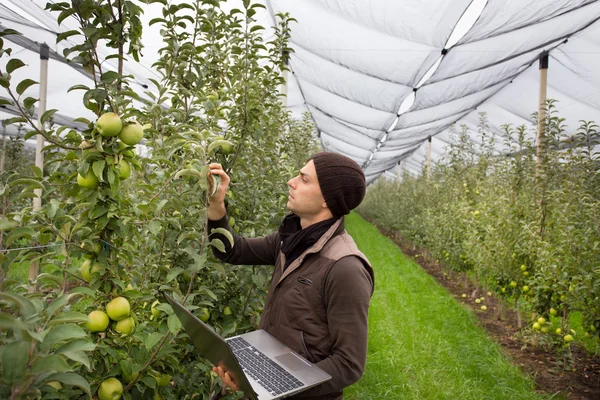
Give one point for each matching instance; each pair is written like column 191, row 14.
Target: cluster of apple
column 130, row 133
column 479, row 300
column 118, row 310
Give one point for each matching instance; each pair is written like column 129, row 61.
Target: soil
column 579, row 381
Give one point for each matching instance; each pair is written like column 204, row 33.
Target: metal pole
column 541, row 125
column 34, row 268
column 39, row 157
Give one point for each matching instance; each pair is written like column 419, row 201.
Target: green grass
column 422, row 343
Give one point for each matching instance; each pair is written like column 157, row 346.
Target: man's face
column 305, row 198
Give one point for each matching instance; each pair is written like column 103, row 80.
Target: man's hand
column 216, row 203
column 226, row 378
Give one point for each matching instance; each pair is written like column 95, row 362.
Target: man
column 322, row 284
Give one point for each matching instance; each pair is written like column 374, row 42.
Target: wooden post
column 34, row 267
column 429, row 157
column 541, row 126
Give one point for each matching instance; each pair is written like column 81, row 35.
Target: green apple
column 513, row 284
column 523, row 267
column 88, row 267
column 109, row 124
column 558, row 331
column 132, row 133
column 483, row 308
column 464, row 296
column 204, row 314
column 124, row 169
column 126, row 150
column 110, row 389
column 542, row 320
column 161, row 379
column 118, row 308
column 155, row 311
column 227, row 311
column 525, row 289
column 131, row 377
column 125, row 326
column 55, row 384
column 89, row 181
column 537, row 326
column 553, row 312
column 477, row 301
column 98, row 321
column 545, row 329
column 568, row 338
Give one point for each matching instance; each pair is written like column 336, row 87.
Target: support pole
column 34, row 268
column 541, row 125
column 429, row 157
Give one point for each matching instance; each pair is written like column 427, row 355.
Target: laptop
column 262, row 367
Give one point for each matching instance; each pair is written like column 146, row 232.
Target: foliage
column 529, row 232
column 135, row 237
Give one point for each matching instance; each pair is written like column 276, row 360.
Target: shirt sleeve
column 347, row 292
column 251, row 251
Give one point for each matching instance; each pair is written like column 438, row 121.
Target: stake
column 39, row 157
column 541, row 126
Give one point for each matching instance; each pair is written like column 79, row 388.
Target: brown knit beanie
column 342, row 182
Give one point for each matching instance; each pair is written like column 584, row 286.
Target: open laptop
column 262, row 367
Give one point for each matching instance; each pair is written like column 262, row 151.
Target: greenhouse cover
column 382, row 77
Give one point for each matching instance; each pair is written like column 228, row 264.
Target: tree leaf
column 70, row 378
column 225, row 233
column 84, row 290
column 216, row 181
column 71, row 316
column 76, row 345
column 61, row 333
column 109, row 77
column 14, row 361
column 98, row 168
column 50, row 363
column 10, row 322
column 218, row 244
column 27, row 181
column 7, row 224
column 58, row 303
column 174, row 324
column 78, row 356
column 173, row 273
column 24, row 85
column 27, row 307
column 47, row 115
column 78, row 87
column 152, row 340
column 14, row 64
column 63, row 35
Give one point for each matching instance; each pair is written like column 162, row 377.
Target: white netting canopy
column 380, row 78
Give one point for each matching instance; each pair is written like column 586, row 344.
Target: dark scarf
column 296, row 240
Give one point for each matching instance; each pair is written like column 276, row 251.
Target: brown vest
column 296, row 310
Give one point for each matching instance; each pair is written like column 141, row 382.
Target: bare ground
column 581, row 381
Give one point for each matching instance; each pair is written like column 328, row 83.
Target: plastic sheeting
column 359, row 65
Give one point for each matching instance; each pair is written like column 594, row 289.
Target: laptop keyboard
column 262, row 369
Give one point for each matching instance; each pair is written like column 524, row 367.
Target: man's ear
column 324, row 205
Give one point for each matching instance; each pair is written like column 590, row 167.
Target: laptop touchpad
column 292, row 361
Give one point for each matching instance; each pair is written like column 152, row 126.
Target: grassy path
column 422, row 343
